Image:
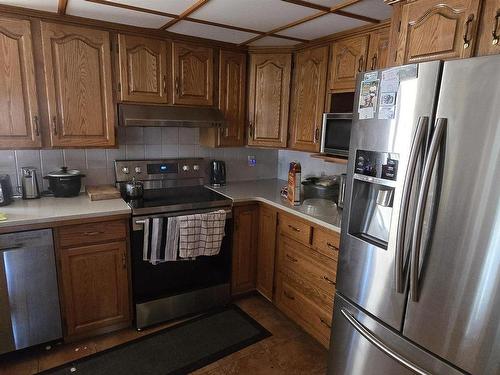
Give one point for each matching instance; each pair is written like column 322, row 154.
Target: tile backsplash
column 139, row 143
column 310, row 166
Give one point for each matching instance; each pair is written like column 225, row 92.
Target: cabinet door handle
column 374, row 62
column 328, row 280
column 291, row 258
column 496, row 37
column 37, row 127
column 94, row 233
column 293, row 228
column 331, row 246
column 54, row 124
column 124, row 261
column 288, row 295
column 164, row 84
column 316, row 135
column 250, row 129
column 177, row 88
column 325, row 322
column 360, row 64
column 466, row 32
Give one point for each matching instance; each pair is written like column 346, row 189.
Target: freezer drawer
column 29, row 300
column 352, row 352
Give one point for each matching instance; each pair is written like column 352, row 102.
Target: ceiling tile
column 262, row 15
column 109, row 13
column 167, row 6
column 273, row 42
column 210, row 32
column 371, row 8
column 322, row 26
column 47, row 5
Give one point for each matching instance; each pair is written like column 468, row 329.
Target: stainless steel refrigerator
column 418, row 288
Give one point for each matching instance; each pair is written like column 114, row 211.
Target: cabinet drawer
column 327, row 243
column 312, row 318
column 296, row 229
column 82, row 234
column 319, row 270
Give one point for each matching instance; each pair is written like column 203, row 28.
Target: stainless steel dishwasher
column 29, row 299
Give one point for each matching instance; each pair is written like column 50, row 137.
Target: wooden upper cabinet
column 143, row 69
column 77, row 63
column 19, row 119
column 378, row 51
column 193, row 74
column 308, row 98
column 268, row 100
column 232, row 91
column 433, row 30
column 347, row 60
column 489, row 29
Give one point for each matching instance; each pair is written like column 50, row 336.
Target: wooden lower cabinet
column 94, row 285
column 266, row 251
column 246, row 227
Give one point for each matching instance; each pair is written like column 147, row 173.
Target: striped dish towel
column 201, row 234
column 161, row 240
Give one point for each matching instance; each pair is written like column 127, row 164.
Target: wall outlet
column 251, row 161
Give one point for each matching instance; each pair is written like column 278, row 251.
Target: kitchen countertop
column 50, row 209
column 268, row 191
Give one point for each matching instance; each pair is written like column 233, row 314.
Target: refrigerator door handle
column 416, row 148
column 422, row 199
column 367, row 334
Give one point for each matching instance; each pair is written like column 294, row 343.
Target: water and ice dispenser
column 374, row 181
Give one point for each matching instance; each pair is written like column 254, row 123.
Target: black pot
column 65, row 182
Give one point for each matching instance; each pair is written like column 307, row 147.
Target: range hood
column 153, row 115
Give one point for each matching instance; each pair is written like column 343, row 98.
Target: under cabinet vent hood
column 188, row 117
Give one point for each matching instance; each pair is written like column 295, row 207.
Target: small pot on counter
column 65, row 182
column 321, row 187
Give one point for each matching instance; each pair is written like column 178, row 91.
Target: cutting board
column 102, row 192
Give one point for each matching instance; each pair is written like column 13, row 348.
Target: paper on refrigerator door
column 368, row 96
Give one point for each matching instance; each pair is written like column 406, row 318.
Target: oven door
column 336, row 133
column 152, row 284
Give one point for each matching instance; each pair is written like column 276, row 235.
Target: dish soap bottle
column 294, row 180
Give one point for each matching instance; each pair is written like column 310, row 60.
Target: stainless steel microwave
column 336, row 133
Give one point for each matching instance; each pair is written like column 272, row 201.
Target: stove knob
column 196, row 167
column 185, row 168
column 138, row 170
column 125, row 170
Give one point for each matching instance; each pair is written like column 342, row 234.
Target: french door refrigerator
column 418, row 289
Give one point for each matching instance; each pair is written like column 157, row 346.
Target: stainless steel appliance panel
column 454, row 309
column 29, row 300
column 367, row 271
column 362, row 345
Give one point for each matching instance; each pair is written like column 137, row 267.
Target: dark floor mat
column 175, row 350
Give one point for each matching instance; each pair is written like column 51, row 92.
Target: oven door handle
column 139, row 223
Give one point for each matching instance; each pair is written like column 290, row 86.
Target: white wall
column 310, row 166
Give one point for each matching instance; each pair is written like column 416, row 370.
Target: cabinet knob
column 496, row 37
column 37, row 126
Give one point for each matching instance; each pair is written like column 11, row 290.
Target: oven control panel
column 159, row 169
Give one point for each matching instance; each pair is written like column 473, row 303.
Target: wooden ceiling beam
column 336, row 9
column 134, row 8
column 193, row 8
column 61, row 7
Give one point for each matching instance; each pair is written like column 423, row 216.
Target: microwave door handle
column 430, row 163
column 416, row 149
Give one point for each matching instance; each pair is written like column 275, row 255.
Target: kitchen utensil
column 217, row 173
column 5, row 190
column 29, row 183
column 134, row 189
column 65, row 182
column 102, row 192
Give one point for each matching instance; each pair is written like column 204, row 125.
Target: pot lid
column 65, row 172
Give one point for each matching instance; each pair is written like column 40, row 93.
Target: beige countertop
column 268, row 191
column 50, row 209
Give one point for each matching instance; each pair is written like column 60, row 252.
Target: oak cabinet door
column 95, row 287
column 77, row 64
column 269, row 99
column 266, row 251
column 433, row 30
column 378, row 51
column 193, row 74
column 143, row 69
column 244, row 248
column 308, row 98
column 347, row 60
column 19, row 118
column 232, row 90
column 489, row 29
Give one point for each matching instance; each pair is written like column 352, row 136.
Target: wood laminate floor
column 288, row 351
